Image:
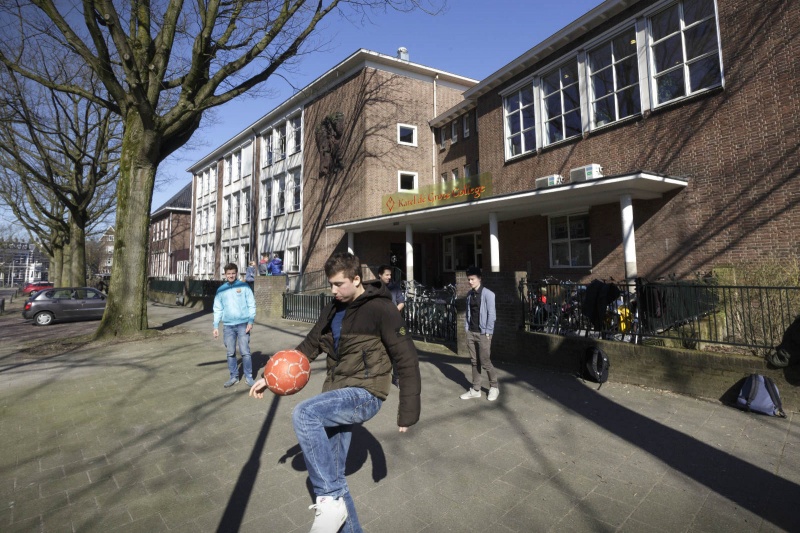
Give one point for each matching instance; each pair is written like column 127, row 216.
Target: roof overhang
column 570, row 197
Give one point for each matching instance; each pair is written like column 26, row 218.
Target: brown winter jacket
column 373, row 335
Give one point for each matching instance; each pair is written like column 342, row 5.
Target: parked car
column 36, row 286
column 65, row 303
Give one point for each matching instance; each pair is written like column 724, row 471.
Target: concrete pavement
column 141, row 436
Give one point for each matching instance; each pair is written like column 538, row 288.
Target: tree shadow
column 181, row 320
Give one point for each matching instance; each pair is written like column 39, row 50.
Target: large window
column 235, row 209
column 245, row 208
column 226, row 170
column 465, row 118
column 226, row 212
column 442, row 137
column 684, row 50
column 462, row 251
column 520, row 122
column 297, row 134
column 280, row 207
column 294, row 178
column 266, row 198
column 614, row 74
column 407, row 134
column 281, row 149
column 292, row 262
column 561, row 103
column 570, row 245
column 268, row 144
column 454, row 131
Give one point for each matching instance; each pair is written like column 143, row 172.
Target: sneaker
column 494, row 392
column 250, row 381
column 231, row 382
column 330, row 514
column 471, row 393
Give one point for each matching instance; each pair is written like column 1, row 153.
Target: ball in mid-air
column 287, row 372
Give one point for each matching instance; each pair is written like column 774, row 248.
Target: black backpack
column 594, row 366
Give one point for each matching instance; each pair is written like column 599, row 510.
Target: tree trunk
column 126, row 307
column 55, row 265
column 66, row 265
column 77, row 239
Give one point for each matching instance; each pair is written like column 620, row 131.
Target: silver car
column 65, row 303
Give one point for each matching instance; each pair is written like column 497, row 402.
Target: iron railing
column 166, row 285
column 689, row 312
column 430, row 314
column 304, row 307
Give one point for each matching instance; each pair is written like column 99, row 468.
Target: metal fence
column 689, row 312
column 304, row 307
column 166, row 285
column 430, row 314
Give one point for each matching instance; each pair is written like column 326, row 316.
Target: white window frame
column 269, row 154
column 569, row 239
column 297, row 133
column 245, row 206
column 280, row 191
column 520, row 110
column 226, row 170
column 296, row 186
column 413, row 129
column 226, row 212
column 564, row 83
column 266, row 198
column 400, row 174
column 442, row 137
column 454, row 132
column 465, row 120
column 235, row 209
column 212, row 172
column 616, row 90
column 454, row 174
column 281, row 131
column 292, row 262
column 212, row 218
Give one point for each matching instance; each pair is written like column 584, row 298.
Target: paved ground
column 141, row 436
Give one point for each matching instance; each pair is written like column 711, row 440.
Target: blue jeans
column 231, row 336
column 323, row 425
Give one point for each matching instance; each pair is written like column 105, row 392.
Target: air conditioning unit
column 549, row 181
column 589, row 172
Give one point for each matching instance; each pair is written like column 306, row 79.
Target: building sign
column 459, row 191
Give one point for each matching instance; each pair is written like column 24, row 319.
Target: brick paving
column 141, row 436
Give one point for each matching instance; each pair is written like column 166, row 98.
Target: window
column 212, row 218
column 454, row 132
column 212, row 172
column 199, row 187
column 245, row 206
column 466, row 125
column 196, row 260
column 205, row 221
column 297, row 135
column 235, row 209
column 226, row 256
column 561, row 103
column 462, row 251
column 266, row 198
column 292, row 263
column 684, row 50
column 210, row 259
column 520, row 122
column 226, row 212
column 237, row 166
column 246, row 160
column 466, row 171
column 444, row 177
column 407, row 181
column 454, row 173
column 281, row 143
column 294, row 176
column 442, row 134
column 407, row 134
column 569, row 241
column 280, row 208
column 245, row 258
column 268, row 155
column 614, row 79
column 226, row 171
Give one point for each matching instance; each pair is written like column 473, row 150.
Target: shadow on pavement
column 762, row 492
column 181, row 320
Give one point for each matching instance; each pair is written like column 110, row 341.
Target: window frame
column 266, row 198
column 569, row 239
column 292, row 266
column 280, row 201
column 413, row 129
column 400, row 174
column 616, row 89
column 297, row 133
column 297, row 188
column 442, row 137
column 454, row 132
column 528, row 84
column 451, row 252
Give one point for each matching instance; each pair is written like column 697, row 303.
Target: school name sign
column 455, row 192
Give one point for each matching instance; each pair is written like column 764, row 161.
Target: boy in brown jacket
column 362, row 334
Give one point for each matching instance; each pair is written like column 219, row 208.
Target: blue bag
column 760, row 394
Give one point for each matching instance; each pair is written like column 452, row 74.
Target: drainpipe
column 433, row 135
column 494, row 243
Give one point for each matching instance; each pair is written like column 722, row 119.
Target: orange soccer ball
column 287, row 372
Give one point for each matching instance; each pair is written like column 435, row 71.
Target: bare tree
column 163, row 64
column 59, row 161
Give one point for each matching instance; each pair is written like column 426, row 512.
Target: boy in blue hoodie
column 235, row 307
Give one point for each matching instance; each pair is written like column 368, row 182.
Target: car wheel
column 43, row 318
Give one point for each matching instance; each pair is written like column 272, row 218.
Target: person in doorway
column 362, row 334
column 235, row 307
column 275, row 267
column 479, row 323
column 250, row 275
column 398, row 299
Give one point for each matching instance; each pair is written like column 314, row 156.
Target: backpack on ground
column 760, row 394
column 594, row 366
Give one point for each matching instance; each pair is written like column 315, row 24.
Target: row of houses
column 646, row 138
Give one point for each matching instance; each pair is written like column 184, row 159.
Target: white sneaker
column 494, row 392
column 330, row 515
column 471, row 393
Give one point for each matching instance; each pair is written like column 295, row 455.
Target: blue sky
column 472, row 38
